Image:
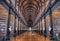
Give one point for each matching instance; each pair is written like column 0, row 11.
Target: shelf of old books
column 3, row 21
column 56, row 20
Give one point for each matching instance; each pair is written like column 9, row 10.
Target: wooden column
column 45, row 32
column 51, row 22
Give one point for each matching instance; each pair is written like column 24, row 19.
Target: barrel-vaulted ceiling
column 31, row 10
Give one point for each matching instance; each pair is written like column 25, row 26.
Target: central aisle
column 30, row 36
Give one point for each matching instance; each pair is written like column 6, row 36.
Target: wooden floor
column 29, row 36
